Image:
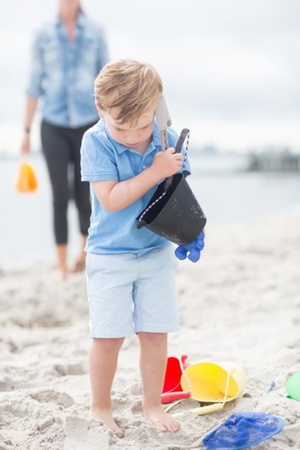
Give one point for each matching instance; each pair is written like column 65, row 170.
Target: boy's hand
column 192, row 250
column 167, row 163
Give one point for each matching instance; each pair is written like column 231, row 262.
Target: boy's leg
column 103, row 363
column 153, row 359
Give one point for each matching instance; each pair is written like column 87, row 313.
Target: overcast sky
column 231, row 68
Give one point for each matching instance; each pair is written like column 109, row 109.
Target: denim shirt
column 63, row 72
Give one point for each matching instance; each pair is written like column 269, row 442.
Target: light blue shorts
column 129, row 293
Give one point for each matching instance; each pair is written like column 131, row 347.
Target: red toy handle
column 169, row 397
column 184, row 361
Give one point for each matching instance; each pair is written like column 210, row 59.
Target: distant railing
column 276, row 162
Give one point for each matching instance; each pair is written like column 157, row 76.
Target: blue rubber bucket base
column 242, row 430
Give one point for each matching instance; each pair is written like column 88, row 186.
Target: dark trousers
column 61, row 147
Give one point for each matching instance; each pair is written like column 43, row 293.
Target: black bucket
column 173, row 211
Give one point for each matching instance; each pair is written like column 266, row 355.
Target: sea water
column 226, row 192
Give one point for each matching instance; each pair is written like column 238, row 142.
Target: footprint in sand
column 81, row 433
column 70, row 369
column 51, row 396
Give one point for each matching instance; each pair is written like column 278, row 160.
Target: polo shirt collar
column 154, row 144
column 156, row 136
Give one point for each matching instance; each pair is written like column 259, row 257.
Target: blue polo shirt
column 102, row 158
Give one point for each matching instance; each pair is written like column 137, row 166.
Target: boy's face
column 137, row 136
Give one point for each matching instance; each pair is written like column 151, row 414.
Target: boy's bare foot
column 161, row 420
column 107, row 418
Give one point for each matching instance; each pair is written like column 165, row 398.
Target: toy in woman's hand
column 191, row 250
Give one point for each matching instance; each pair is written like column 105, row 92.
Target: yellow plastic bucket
column 214, row 382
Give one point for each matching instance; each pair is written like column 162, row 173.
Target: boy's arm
column 114, row 195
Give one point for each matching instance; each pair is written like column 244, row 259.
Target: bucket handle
column 208, row 408
column 182, row 137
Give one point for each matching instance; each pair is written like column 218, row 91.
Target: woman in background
column 67, row 55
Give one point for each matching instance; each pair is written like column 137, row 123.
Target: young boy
column 130, row 271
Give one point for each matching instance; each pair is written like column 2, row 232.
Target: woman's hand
column 25, row 144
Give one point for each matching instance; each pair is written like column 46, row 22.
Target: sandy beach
column 240, row 302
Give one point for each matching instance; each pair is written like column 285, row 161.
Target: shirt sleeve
column 97, row 159
column 34, row 85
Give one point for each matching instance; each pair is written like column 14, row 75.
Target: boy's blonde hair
column 128, row 85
